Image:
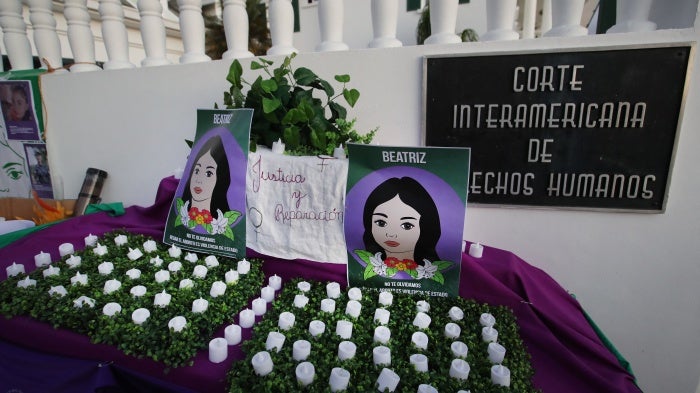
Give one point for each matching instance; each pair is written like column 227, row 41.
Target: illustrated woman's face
column 203, row 178
column 395, row 227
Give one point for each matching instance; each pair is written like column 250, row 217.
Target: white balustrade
column 384, row 21
column 19, row 50
column 500, row 15
column 192, row 30
column 80, row 36
column 48, row 46
column 529, row 18
column 443, row 19
column 236, row 29
column 114, row 35
column 566, row 19
column 152, row 33
column 281, row 14
column 546, row 21
column 330, row 19
column 632, row 16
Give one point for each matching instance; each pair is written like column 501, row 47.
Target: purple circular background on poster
column 444, row 196
column 236, row 191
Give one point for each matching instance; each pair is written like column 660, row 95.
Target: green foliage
column 287, row 106
column 423, row 30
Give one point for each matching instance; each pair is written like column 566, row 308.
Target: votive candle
column 419, row 362
column 333, row 290
column 200, row 305
column 218, row 350
column 300, row 301
column 459, row 369
column 218, row 288
column 211, row 261
column 259, row 306
column 58, row 290
column 452, row 330
column 111, row 308
column 487, row 319
column 65, row 249
column 328, row 305
column 191, row 257
column 304, row 286
column 381, row 316
column 381, row 355
column 355, row 294
column 120, row 240
column 420, row 340
column 425, row 388
column 286, row 320
column 134, row 254
column 175, row 266
column 133, row 274
column 262, row 363
column 268, row 293
column 200, row 271
column 232, row 333
column 177, row 323
column 422, row 306
column 140, row 315
column 81, row 279
column 90, row 240
column 138, row 291
column 162, row 299
column 275, row 340
column 100, row 250
column 84, row 301
column 496, row 353
column 162, row 276
column 42, row 259
column 278, row 146
column 105, row 268
column 243, row 266
column 387, row 379
column 150, row 246
column 456, row 314
column 459, row 349
column 343, row 329
column 186, row 283
column 275, row 282
column 316, row 328
column 156, row 261
column 305, row 373
column 14, row 269
column 73, row 261
column 489, row 334
column 346, row 350
column 386, row 298
column 111, row 286
column 339, row 379
column 476, row 250
column 231, row 277
column 353, row 308
column 301, row 349
column 51, row 271
column 382, row 334
column 422, row 320
column 174, row 251
column 500, row 375
column 26, row 283
column 339, row 152
column 246, row 318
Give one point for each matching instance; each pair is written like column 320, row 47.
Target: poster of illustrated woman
column 404, row 218
column 208, row 211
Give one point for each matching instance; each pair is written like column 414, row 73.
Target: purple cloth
column 567, row 355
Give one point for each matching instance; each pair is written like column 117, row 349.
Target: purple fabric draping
column 567, row 355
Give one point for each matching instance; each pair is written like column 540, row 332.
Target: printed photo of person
column 18, row 110
column 39, row 173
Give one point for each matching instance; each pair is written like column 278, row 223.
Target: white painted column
column 192, row 30
column 80, row 36
column 443, row 19
column 546, row 22
column 632, row 16
column 236, row 27
column 114, row 35
column 385, row 15
column 281, row 15
column 48, row 46
column 330, row 20
column 529, row 18
column 500, row 15
column 19, row 50
column 566, row 19
column 152, row 33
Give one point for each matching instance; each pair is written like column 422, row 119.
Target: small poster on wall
column 208, row 212
column 404, row 218
column 39, row 169
column 18, row 110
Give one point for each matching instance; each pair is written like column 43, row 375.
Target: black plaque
column 590, row 129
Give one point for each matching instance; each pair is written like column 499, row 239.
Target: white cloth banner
column 296, row 206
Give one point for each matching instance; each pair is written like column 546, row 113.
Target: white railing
column 560, row 18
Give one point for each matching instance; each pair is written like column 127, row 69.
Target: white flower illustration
column 219, row 224
column 427, row 270
column 378, row 264
column 185, row 213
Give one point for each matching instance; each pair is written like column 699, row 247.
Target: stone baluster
column 500, row 15
column 80, row 36
column 566, row 19
column 384, row 21
column 114, row 35
column 443, row 19
column 236, row 29
column 330, row 19
column 48, row 46
column 632, row 16
column 192, row 30
column 546, row 21
column 529, row 17
column 281, row 27
column 152, row 33
column 19, row 50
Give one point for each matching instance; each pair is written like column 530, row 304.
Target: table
column 567, row 354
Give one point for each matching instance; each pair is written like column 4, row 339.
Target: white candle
column 90, row 240
column 162, row 276
column 246, row 318
column 422, row 306
column 243, row 266
column 476, row 250
column 355, row 294
column 218, row 288
column 420, row 362
column 268, row 293
column 186, row 283
column 65, row 249
column 420, row 340
column 343, row 329
column 120, row 240
column 300, row 301
column 487, row 319
column 425, row 388
column 459, row 349
column 286, row 320
column 262, row 363
column 231, row 277
column 200, row 271
column 200, row 305
column 51, row 271
column 328, row 305
column 100, row 250
column 111, row 308
column 232, row 333
column 500, row 375
column 381, row 316
column 26, row 283
column 489, row 334
column 105, row 268
column 275, row 282
column 174, row 251
column 333, row 290
column 218, row 350
column 387, row 379
column 316, row 328
column 459, row 369
column 259, row 306
column 382, row 334
column 452, row 330
column 301, row 349
column 59, row 291
column 353, row 308
column 496, row 353
column 42, row 259
column 456, row 314
column 134, row 254
column 138, row 291
column 162, row 299
column 305, row 373
column 304, row 286
column 73, row 261
column 81, row 279
column 140, row 315
column 422, row 320
column 156, row 261
column 111, row 286
column 278, row 146
column 339, row 379
column 339, row 152
column 381, row 355
column 346, row 350
column 386, row 298
column 211, row 261
column 191, row 257
column 84, row 301
column 14, row 269
column 275, row 340
column 149, row 246
column 177, row 323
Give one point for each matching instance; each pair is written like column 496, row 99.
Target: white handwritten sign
column 296, row 206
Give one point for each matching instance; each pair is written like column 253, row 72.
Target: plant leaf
column 291, row 136
column 345, row 78
column 234, row 74
column 438, row 277
column 351, row 96
column 269, row 105
column 304, row 76
column 337, row 111
column 369, row 272
column 268, row 85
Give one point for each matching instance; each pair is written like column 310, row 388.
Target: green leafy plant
column 287, row 107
